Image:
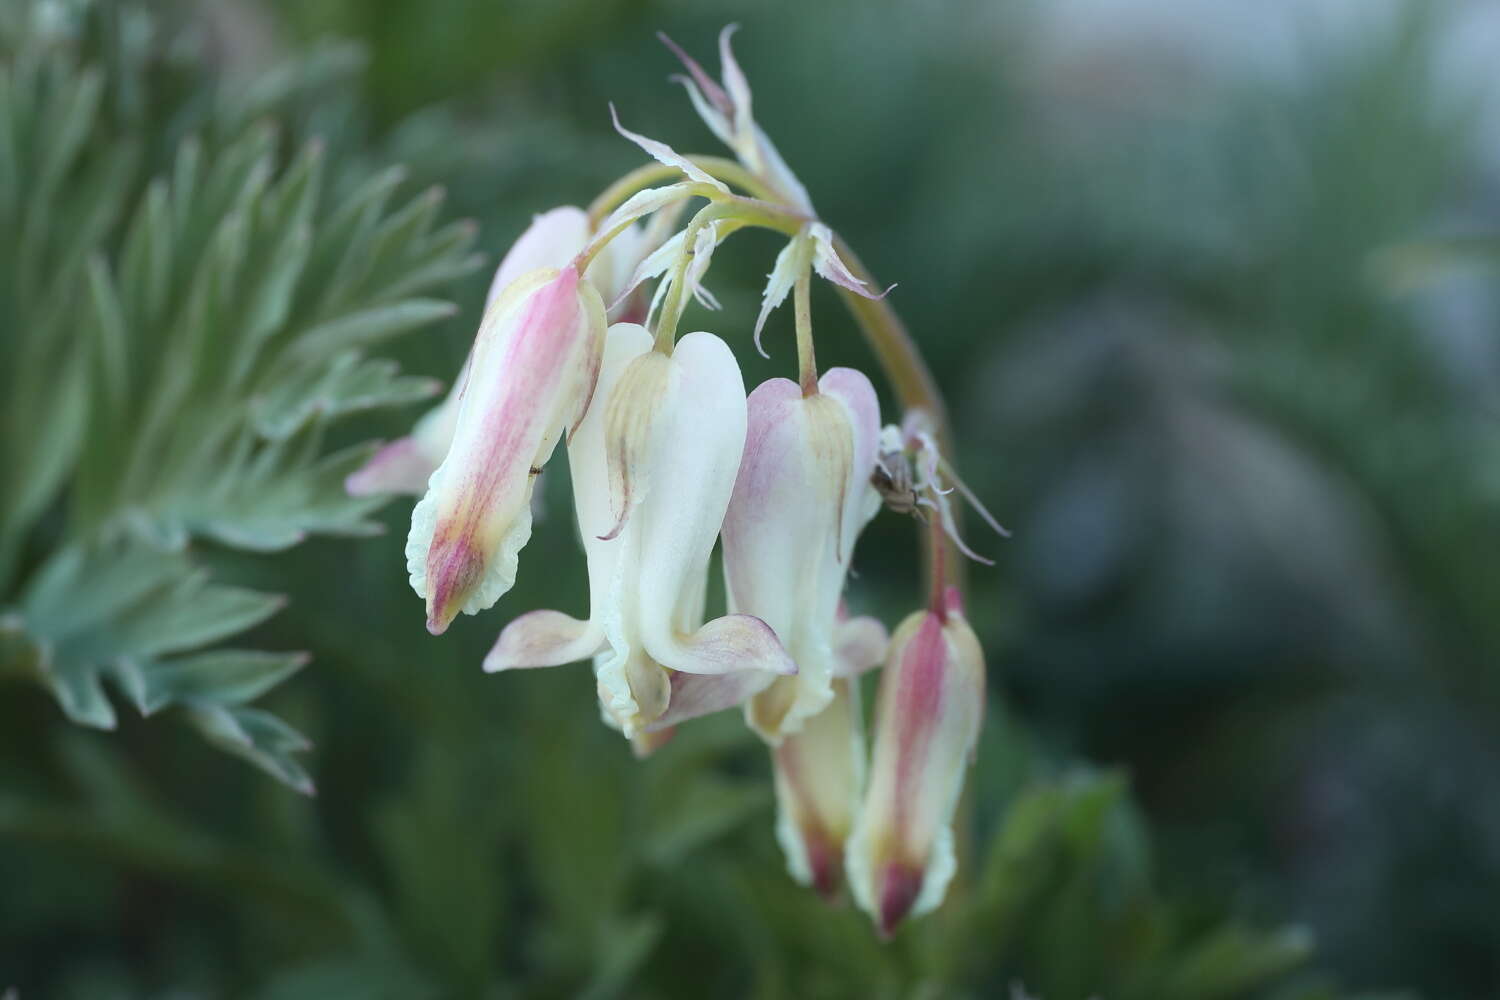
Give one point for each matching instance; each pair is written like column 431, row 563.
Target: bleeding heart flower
column 653, row 467
column 801, row 498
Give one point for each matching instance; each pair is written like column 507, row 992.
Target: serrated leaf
column 223, row 677
column 258, row 737
column 368, row 327
column 352, row 384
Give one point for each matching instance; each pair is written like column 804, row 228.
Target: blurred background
column 1212, row 288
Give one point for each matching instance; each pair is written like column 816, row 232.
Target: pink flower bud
column 531, row 375
column 553, row 239
column 928, row 715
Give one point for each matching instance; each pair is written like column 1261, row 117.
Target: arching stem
column 734, row 211
column 915, row 388
column 641, row 178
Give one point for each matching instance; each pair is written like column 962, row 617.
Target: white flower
column 801, row 498
column 653, row 467
column 531, row 375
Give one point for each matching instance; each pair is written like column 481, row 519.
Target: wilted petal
column 402, row 466
column 928, row 716
column 532, row 373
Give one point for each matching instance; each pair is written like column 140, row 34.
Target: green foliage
column 182, row 326
column 1196, row 347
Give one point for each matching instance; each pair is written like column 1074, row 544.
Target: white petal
column 790, row 263
column 665, row 154
column 552, row 240
column 827, row 262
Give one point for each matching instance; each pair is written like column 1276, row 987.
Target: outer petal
column 694, row 461
column 405, row 465
column 552, row 240
column 530, row 376
column 928, row 716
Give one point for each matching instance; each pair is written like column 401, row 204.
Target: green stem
column 807, row 362
column 735, row 211
column 641, row 178
column 915, row 388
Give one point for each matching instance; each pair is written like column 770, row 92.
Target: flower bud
column 819, row 773
column 553, row 239
column 820, row 769
column 531, row 375
column 928, row 714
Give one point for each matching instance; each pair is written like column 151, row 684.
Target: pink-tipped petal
column 529, row 371
column 928, row 716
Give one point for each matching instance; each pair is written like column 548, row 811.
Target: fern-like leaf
column 187, row 309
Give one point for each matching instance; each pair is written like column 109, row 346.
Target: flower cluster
column 669, row 456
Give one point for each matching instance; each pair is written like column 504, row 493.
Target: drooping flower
column 653, row 466
column 801, row 498
column 531, row 375
column 927, row 720
column 553, row 239
column 820, row 769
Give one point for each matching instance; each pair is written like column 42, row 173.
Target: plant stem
column 915, row 389
column 724, row 169
column 734, row 211
column 807, row 362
